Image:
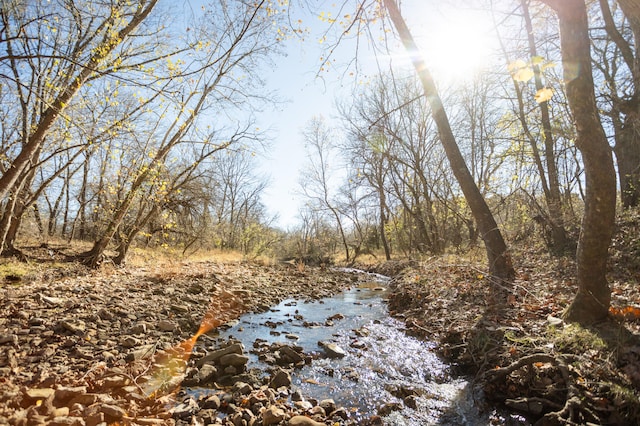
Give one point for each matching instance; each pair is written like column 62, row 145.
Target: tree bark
column 500, row 265
column 552, row 195
column 593, row 298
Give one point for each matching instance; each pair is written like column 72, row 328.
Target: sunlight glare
column 457, row 45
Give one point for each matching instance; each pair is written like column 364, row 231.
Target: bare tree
column 57, row 69
column 498, row 256
column 315, row 182
column 240, row 39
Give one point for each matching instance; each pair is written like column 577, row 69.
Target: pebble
column 279, row 379
column 166, row 325
column 112, row 411
column 207, row 373
column 233, row 359
column 8, row 338
column 332, row 350
column 272, row 415
column 303, row 421
column 102, row 329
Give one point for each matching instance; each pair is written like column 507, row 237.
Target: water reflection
column 384, row 371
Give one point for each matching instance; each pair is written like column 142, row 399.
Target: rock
column 279, row 379
column 67, row 421
column 411, row 401
column 139, row 328
column 195, row 288
column 212, row 402
column 8, row 338
column 291, row 336
column 85, row 399
column 303, row 421
column 207, row 373
column 166, row 325
column 40, row 393
column 290, row 355
column 142, row 352
column 305, row 406
column 74, row 326
column 555, row 321
column 105, row 314
column 36, row 321
column 340, row 412
column 242, row 388
column 117, row 381
column 328, row 405
column 64, row 393
column 272, row 415
column 214, row 357
column 185, row 409
column 150, row 421
column 388, row 408
column 183, row 309
column 230, row 370
column 61, row 412
column 233, row 359
column 358, row 344
column 129, row 342
column 112, row 411
column 52, row 301
column 332, row 350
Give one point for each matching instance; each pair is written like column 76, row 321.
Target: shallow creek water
column 382, row 364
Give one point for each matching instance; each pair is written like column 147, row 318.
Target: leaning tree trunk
column 592, row 300
column 497, row 253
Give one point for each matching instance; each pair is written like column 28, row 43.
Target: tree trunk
column 592, row 300
column 35, row 140
column 627, row 150
column 552, row 195
column 626, row 111
column 383, row 223
column 498, row 256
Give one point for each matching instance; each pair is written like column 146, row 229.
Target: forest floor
column 522, row 354
column 74, row 342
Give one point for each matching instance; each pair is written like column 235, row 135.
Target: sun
column 456, row 45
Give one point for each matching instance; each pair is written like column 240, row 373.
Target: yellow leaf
column 523, row 74
column 516, row 65
column 537, row 60
column 543, row 95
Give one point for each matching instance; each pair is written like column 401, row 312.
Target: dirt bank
column 522, row 354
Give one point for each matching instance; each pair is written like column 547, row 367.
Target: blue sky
column 452, row 43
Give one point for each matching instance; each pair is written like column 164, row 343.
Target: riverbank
column 82, row 347
column 522, row 355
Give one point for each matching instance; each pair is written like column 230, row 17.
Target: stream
column 382, row 371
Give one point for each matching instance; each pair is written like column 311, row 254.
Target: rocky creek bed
column 81, row 347
column 110, row 347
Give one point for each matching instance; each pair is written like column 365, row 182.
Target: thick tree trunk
column 497, row 253
column 592, row 301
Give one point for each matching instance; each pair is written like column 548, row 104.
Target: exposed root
column 573, row 412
